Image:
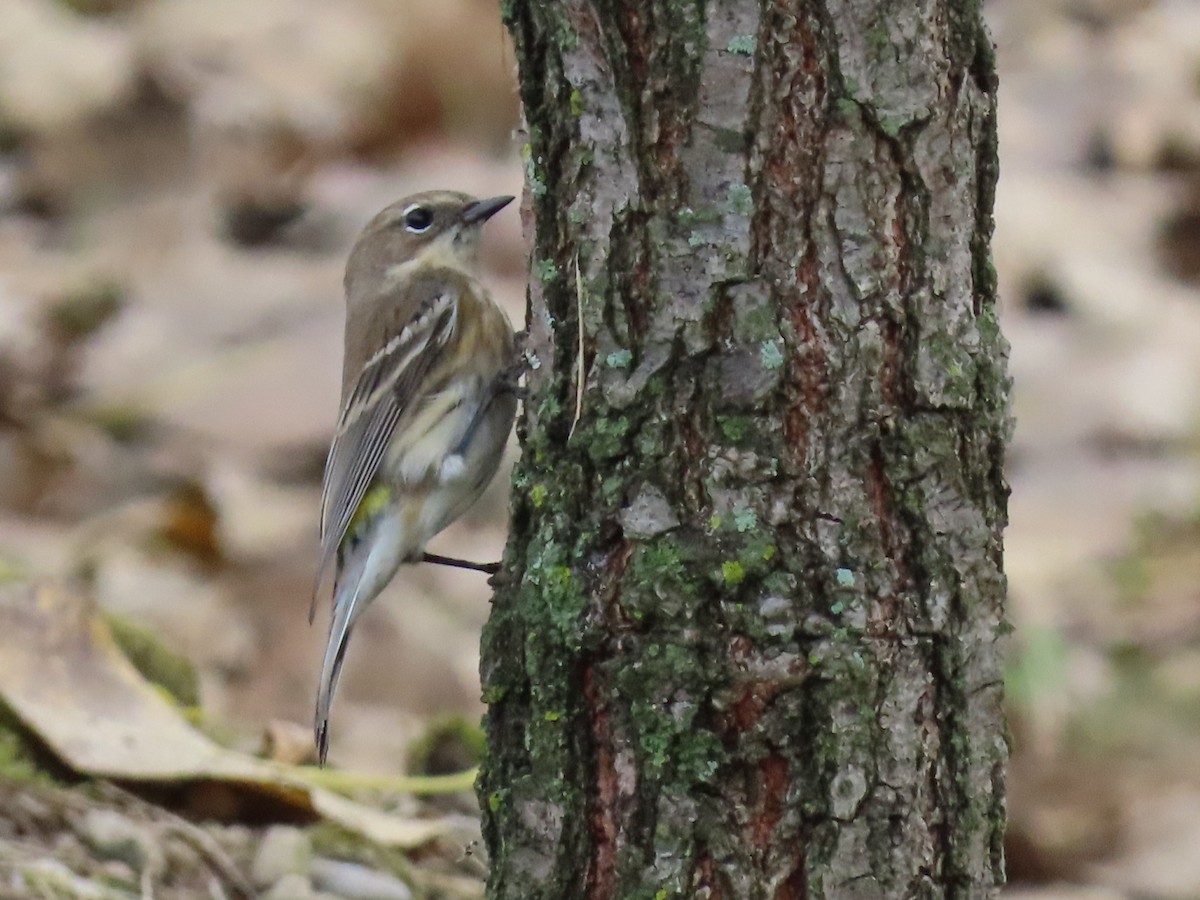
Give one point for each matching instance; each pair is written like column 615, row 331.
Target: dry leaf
column 62, row 674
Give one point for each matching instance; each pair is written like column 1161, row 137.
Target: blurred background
column 179, row 184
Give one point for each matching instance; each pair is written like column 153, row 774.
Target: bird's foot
column 487, row 568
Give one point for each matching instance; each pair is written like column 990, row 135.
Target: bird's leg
column 464, row 444
column 489, row 568
column 507, row 383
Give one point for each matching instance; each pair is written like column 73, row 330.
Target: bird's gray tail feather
column 345, row 603
column 365, row 566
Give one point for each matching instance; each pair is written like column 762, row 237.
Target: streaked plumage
column 426, row 403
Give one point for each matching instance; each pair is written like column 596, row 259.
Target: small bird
column 428, row 401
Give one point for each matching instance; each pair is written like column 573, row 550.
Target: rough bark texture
column 747, row 640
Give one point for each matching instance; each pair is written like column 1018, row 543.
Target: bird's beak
column 479, row 211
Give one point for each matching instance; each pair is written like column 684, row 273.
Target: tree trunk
column 746, row 643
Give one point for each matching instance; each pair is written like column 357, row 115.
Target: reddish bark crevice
column 635, row 38
column 790, row 136
column 891, row 386
column 602, row 812
column 720, row 320
column 808, row 373
column 706, row 877
column 610, row 597
column 903, row 245
column 788, row 184
column 796, row 885
column 773, row 772
column 893, row 537
column 888, row 609
column 691, row 464
column 662, row 111
column 746, row 712
column 632, row 275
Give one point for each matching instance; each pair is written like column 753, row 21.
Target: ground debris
column 108, row 791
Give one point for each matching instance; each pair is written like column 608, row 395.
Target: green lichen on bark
column 745, row 636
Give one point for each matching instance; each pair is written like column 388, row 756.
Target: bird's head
column 432, row 228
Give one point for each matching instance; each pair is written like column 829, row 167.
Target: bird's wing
column 388, row 387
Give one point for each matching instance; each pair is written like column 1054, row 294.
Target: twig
column 197, row 838
column 579, row 373
column 218, row 860
column 344, row 782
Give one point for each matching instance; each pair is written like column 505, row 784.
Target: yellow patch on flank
column 372, row 503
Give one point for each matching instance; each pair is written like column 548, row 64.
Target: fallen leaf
column 64, row 677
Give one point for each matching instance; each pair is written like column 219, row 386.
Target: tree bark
column 747, row 639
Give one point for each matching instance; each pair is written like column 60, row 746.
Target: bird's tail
column 366, row 566
column 345, row 602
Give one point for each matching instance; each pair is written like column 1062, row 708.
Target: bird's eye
column 417, row 219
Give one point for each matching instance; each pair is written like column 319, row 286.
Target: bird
column 428, row 401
